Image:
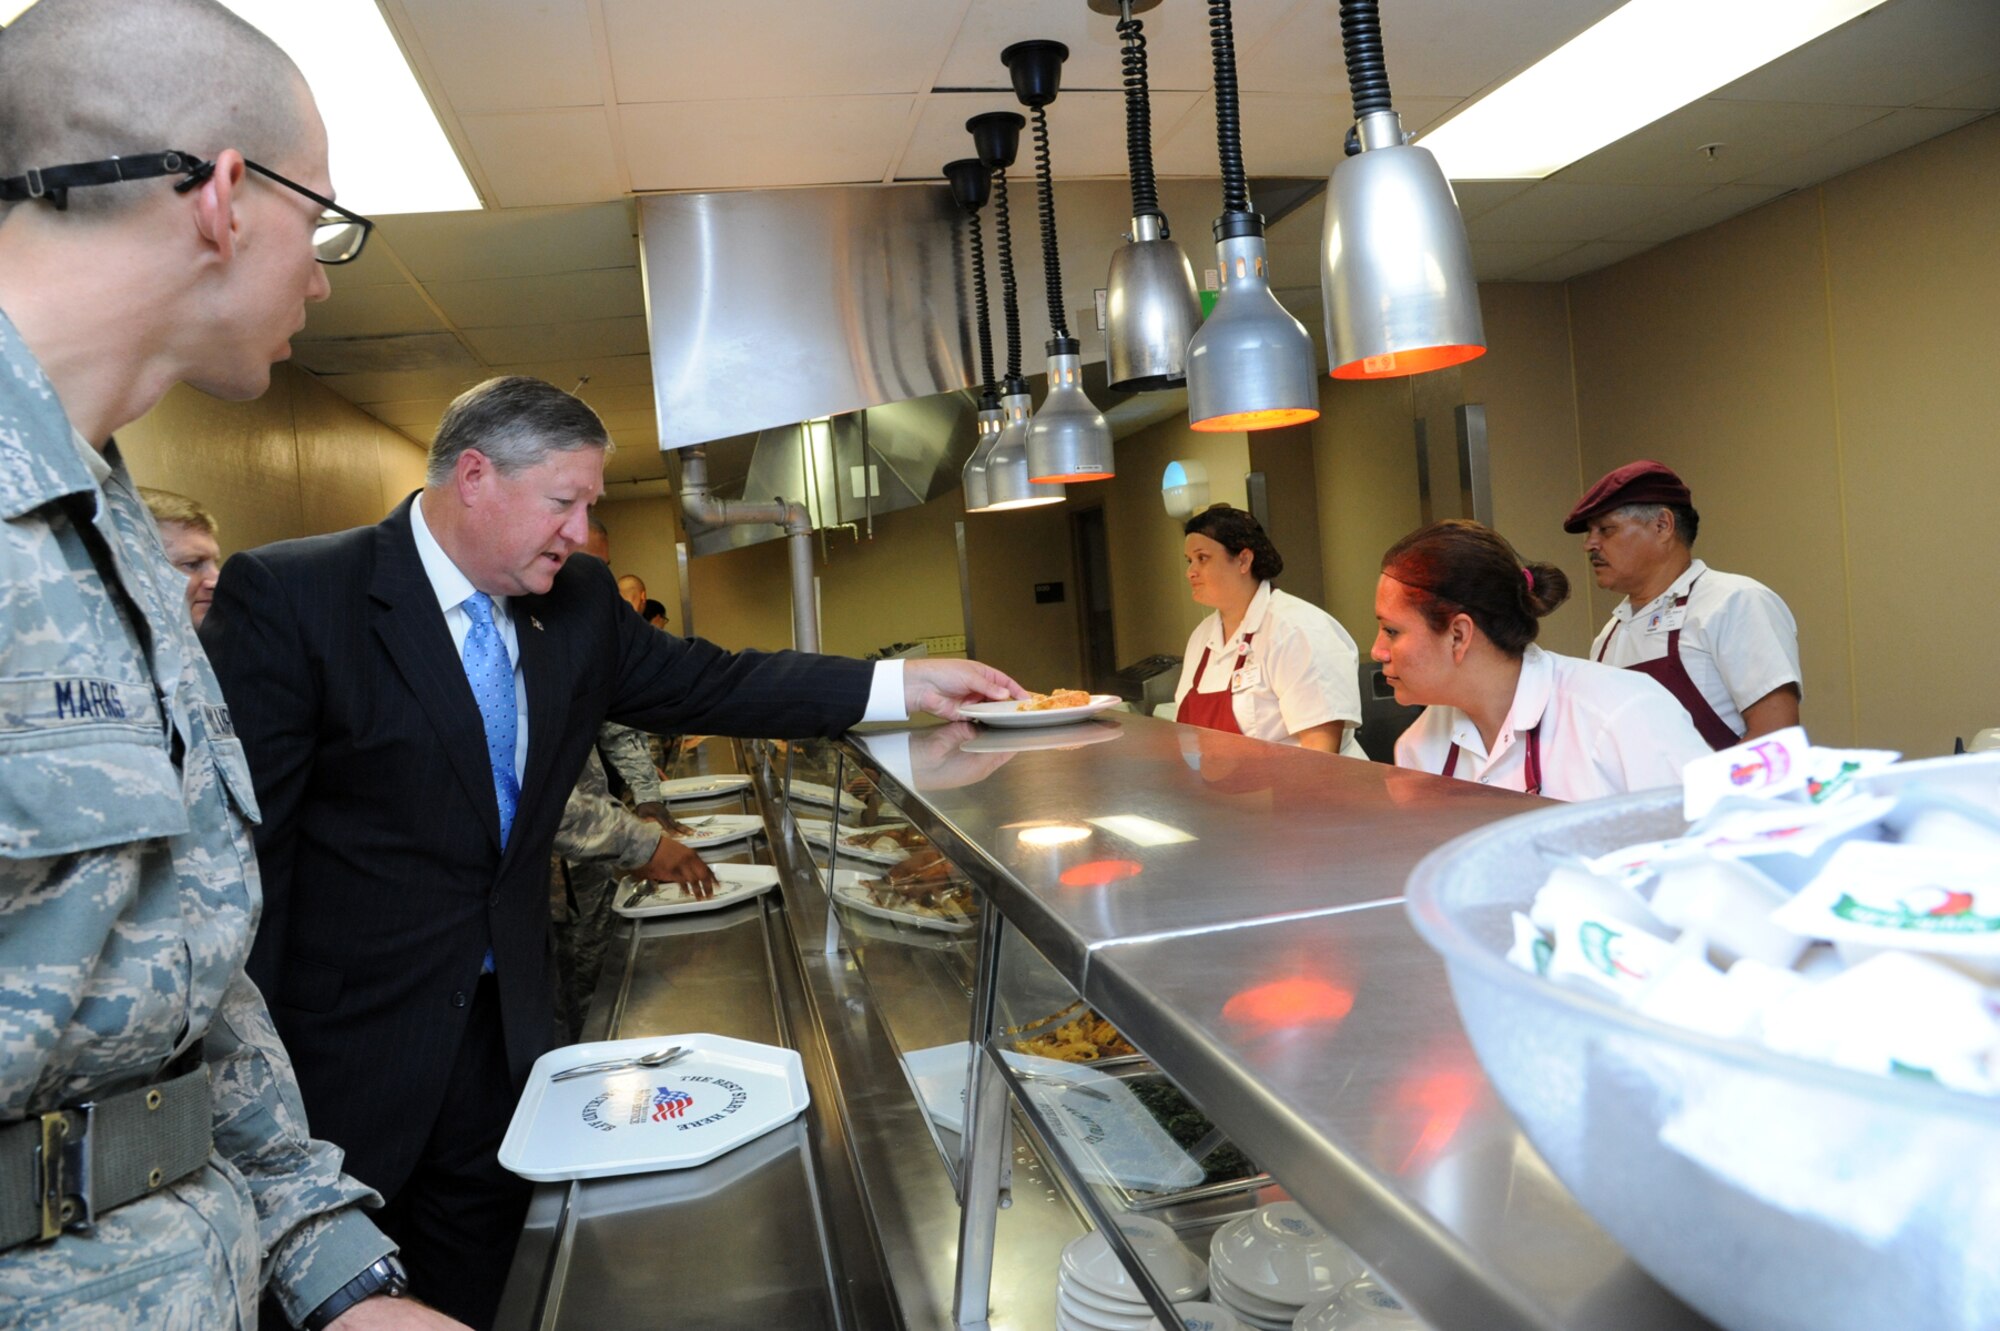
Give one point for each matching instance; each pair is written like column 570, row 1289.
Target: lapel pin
column 535, row 623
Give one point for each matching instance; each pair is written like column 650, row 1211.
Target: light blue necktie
column 491, row 675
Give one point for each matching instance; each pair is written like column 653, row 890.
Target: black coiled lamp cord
column 1139, row 122
column 1051, row 260
column 1361, row 41
column 979, row 301
column 1228, row 121
column 1010, row 308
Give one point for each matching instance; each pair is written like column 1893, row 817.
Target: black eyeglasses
column 337, row 237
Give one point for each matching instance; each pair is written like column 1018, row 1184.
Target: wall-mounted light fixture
column 1395, row 269
column 1250, row 365
column 1184, row 488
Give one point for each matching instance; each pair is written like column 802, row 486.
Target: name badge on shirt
column 1245, row 678
column 1668, row 620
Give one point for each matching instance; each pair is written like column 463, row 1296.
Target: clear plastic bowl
column 1770, row 1193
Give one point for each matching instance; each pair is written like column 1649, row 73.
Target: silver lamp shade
column 1396, row 270
column 978, row 495
column 1250, row 365
column 1007, row 483
column 1068, row 440
column 1151, row 310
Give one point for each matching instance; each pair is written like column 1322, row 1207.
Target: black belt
column 63, row 1169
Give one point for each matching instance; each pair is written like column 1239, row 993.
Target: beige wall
column 297, row 461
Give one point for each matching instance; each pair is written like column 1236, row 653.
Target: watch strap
column 384, row 1276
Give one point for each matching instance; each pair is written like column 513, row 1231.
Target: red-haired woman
column 1458, row 612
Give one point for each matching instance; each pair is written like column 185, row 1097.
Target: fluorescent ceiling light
column 389, row 154
column 1645, row 59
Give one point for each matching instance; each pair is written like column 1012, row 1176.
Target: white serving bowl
column 1282, row 1254
column 1099, row 1319
column 1180, row 1275
column 1222, row 1287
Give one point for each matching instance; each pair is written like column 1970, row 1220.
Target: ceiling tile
column 545, row 157
column 604, row 371
column 699, row 51
column 1498, row 260
column 1086, row 133
column 1178, row 57
column 513, row 242
column 1981, row 94
column 1432, row 48
column 509, row 55
column 1752, row 135
column 1583, row 259
column 600, row 293
column 631, row 461
column 1871, row 142
column 356, row 310
column 1284, row 134
column 377, row 354
column 403, row 385
column 1483, row 196
column 1558, row 210
column 1704, row 210
column 1900, row 54
column 627, row 424
column 783, row 141
column 419, row 418
column 593, row 337
column 376, row 267
column 606, row 398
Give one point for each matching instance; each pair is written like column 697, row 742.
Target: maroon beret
column 1634, row 483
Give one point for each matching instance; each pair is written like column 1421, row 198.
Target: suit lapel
column 547, row 685
column 410, row 624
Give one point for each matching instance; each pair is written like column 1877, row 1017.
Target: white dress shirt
column 1738, row 638
column 885, row 688
column 1302, row 669
column 1603, row 732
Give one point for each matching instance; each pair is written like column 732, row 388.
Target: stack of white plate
column 1094, row 1293
column 1269, row 1265
column 1362, row 1305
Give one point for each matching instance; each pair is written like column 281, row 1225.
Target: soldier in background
column 188, row 532
column 127, row 872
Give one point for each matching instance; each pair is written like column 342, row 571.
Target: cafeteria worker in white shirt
column 1724, row 644
column 1266, row 664
column 1458, row 612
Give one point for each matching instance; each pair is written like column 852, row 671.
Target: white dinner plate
column 819, row 831
column 1072, row 736
column 685, row 789
column 818, row 792
column 719, row 829
column 847, row 890
column 1008, row 715
column 733, row 883
column 1096, row 1319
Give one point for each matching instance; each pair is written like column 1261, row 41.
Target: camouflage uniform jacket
column 597, row 830
column 626, row 753
column 128, row 897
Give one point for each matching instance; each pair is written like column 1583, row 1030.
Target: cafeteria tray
column 734, row 884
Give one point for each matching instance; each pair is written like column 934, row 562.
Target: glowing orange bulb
column 1292, row 1002
column 1269, row 419
column 1072, row 479
column 1399, row 363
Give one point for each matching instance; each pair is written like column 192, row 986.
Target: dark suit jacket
column 384, row 879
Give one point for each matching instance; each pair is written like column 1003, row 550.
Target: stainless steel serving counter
column 1234, row 908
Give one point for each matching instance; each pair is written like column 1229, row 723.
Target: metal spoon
column 659, row 1058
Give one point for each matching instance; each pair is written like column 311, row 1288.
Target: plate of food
column 719, row 829
column 733, row 883
column 921, row 891
column 882, row 843
column 818, row 792
column 1041, row 709
column 684, row 789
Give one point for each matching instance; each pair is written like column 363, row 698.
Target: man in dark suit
column 416, row 700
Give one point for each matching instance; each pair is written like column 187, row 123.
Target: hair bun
column 1547, row 587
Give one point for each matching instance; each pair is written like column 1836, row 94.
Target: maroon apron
column 1669, row 671
column 1213, row 710
column 1533, row 764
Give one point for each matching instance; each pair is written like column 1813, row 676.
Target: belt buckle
column 63, row 1171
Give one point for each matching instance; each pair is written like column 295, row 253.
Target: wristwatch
column 384, row 1277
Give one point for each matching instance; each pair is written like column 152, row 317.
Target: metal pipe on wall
column 701, row 506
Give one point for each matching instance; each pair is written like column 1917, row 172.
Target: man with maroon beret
column 1725, row 645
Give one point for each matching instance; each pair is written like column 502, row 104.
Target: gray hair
column 516, row 422
column 83, row 80
column 1687, row 522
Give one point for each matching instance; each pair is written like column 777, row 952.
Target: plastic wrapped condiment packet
column 1740, row 829
column 1886, row 895
column 1783, row 764
column 1607, row 956
column 1939, row 822
column 1897, row 1014
column 1573, row 891
column 1730, row 903
column 1531, row 947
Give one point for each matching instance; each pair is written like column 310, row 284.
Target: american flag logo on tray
column 670, row 1104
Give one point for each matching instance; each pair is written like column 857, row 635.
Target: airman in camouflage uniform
column 598, row 841
column 128, row 894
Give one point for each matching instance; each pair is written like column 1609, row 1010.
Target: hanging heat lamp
column 1151, row 306
column 1396, row 272
column 970, row 183
column 1068, row 440
column 997, row 138
column 1250, row 365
